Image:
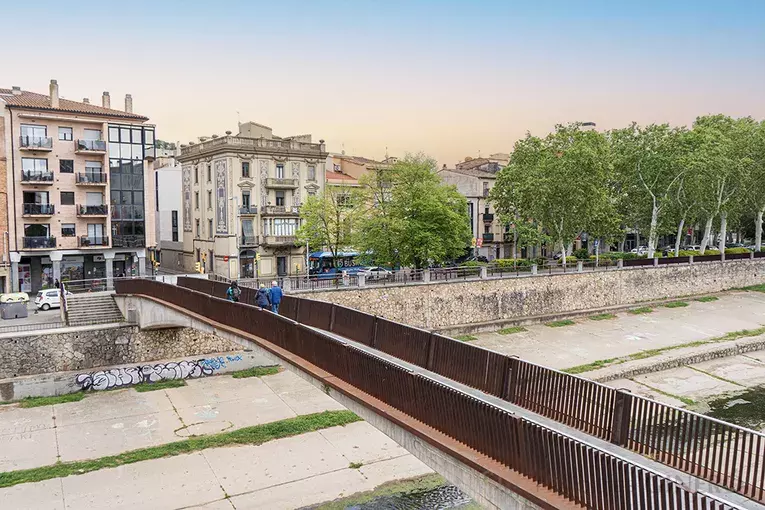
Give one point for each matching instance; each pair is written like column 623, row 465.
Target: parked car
column 640, row 250
column 377, row 273
column 14, row 297
column 693, row 247
column 50, row 298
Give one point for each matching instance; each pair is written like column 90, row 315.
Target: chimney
column 128, row 103
column 86, row 100
column 16, row 90
column 106, row 101
column 54, row 94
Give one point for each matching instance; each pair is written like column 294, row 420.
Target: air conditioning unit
column 98, row 258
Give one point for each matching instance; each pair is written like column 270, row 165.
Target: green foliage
column 640, row 311
column 675, row 304
column 511, row 330
column 49, row 401
column 602, row 317
column 523, row 263
column 696, row 253
column 329, row 218
column 707, row 299
column 560, row 324
column 474, row 263
column 255, row 372
column 159, row 385
column 466, row 338
column 581, row 254
column 736, row 251
column 569, row 260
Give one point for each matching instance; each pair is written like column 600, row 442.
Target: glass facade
column 128, row 146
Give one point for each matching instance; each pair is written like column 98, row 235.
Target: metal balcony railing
column 275, row 182
column 85, row 241
column 91, row 178
column 281, row 210
column 121, row 241
column 488, row 218
column 36, row 142
column 248, row 210
column 90, row 146
column 37, row 176
column 38, row 209
column 38, row 242
column 93, row 210
column 488, row 238
column 249, row 240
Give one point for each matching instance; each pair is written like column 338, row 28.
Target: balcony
column 91, row 178
column 38, row 210
column 36, row 143
column 280, row 240
column 281, row 210
column 90, row 147
column 92, row 210
column 128, row 242
column 273, row 182
column 248, row 241
column 488, row 238
column 87, row 242
column 36, row 177
column 488, row 218
column 248, row 210
column 38, row 243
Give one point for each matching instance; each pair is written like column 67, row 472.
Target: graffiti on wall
column 128, row 376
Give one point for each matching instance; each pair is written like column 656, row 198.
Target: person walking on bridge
column 276, row 296
column 233, row 292
column 262, row 299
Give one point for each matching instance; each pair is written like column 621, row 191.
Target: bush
column 474, row 263
column 603, row 261
column 512, row 263
column 736, row 251
column 570, row 260
column 616, row 255
column 581, row 253
column 695, row 253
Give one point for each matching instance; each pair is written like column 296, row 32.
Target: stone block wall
column 88, row 348
column 440, row 304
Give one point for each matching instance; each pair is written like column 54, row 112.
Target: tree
column 412, row 218
column 560, row 182
column 753, row 150
column 327, row 219
column 648, row 164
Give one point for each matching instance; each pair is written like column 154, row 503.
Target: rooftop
column 35, row 101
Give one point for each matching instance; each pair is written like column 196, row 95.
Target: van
column 50, row 298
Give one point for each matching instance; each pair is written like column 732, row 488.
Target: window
column 285, row 226
column 93, row 170
column 199, row 259
column 280, row 171
column 209, row 200
column 312, row 193
column 209, row 229
column 486, row 210
column 245, row 199
column 68, row 230
column 196, row 200
column 486, row 189
column 196, row 224
column 34, row 165
column 33, row 131
column 343, row 200
column 96, row 230
column 487, row 229
column 94, row 198
column 245, row 169
column 126, row 176
column 311, row 173
column 279, row 198
column 196, row 175
column 92, row 134
column 174, row 215
column 209, row 173
column 65, row 133
column 67, row 198
column 66, row 166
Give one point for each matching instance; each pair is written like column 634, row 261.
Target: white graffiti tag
column 118, row 377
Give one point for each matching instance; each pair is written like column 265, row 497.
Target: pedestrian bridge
column 550, row 439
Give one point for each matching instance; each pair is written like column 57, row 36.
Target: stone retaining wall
column 47, row 352
column 441, row 304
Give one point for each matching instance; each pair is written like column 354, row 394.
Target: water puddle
column 745, row 409
column 446, row 496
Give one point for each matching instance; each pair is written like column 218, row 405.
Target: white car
column 640, row 250
column 377, row 273
column 50, row 298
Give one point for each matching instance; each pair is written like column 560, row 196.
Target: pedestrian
column 57, row 284
column 261, row 298
column 233, row 292
column 276, row 296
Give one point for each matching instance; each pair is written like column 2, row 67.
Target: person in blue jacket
column 261, row 298
column 275, row 296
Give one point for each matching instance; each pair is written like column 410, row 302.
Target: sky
column 447, row 78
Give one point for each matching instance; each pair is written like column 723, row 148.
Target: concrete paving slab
column 46, row 495
column 687, row 382
column 643, row 391
column 757, row 355
column 222, row 504
column 310, row 400
column 212, row 390
column 399, row 468
column 110, row 405
column 308, row 491
column 249, row 468
column 170, row 483
column 18, row 420
column 361, row 442
column 110, row 437
column 285, row 382
column 740, row 369
column 28, row 450
column 239, row 413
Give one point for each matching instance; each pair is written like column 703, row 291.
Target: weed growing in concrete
column 756, row 288
column 256, row 435
column 466, row 338
column 675, row 304
column 49, row 401
column 707, row 299
column 602, row 317
column 560, row 324
column 355, row 465
column 641, row 310
column 511, row 330
column 685, row 400
column 589, row 366
column 159, row 385
column 256, row 372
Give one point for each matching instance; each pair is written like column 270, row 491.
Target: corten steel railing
column 580, row 472
column 673, row 436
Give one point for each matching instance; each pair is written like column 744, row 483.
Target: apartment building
column 241, row 200
column 168, row 233
column 80, row 188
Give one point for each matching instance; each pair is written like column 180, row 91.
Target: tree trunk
column 637, row 237
column 621, row 244
column 653, row 233
column 723, row 233
column 758, row 231
column 707, row 232
column 563, row 253
column 680, row 227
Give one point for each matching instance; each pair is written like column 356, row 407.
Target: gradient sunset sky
column 448, row 78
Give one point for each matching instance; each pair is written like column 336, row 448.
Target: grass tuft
column 355, row 465
column 511, row 330
column 579, row 369
column 49, row 401
column 466, row 338
column 560, row 324
column 685, row 400
column 159, row 385
column 256, row 372
column 255, row 435
column 707, row 299
column 756, row 288
column 675, row 304
column 602, row 317
column 641, row 310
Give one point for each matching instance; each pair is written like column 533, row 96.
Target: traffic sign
column 479, row 242
column 225, row 258
column 597, row 243
column 473, row 242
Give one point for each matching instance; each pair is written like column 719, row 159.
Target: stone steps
column 92, row 308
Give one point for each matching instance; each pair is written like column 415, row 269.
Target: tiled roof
column 475, row 172
column 338, row 176
column 36, row 101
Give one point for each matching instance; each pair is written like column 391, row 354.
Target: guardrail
column 670, row 435
column 573, row 468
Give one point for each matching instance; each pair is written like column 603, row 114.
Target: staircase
column 92, row 308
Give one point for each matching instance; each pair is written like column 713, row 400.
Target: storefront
column 36, row 273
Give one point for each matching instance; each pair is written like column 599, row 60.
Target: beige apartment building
column 241, row 200
column 80, row 187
